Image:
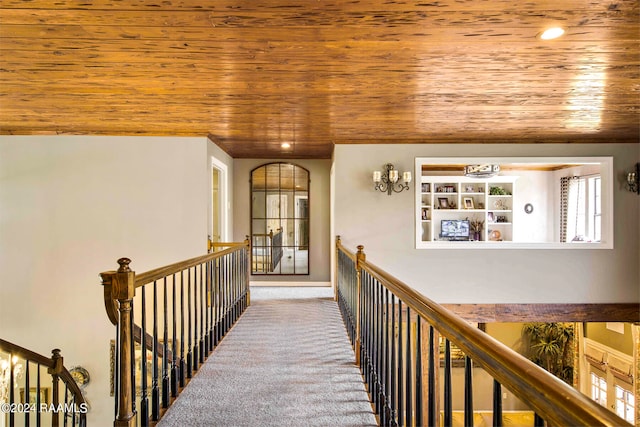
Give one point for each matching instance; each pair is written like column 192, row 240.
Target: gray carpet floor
column 286, row 362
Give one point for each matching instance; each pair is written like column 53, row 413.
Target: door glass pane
column 259, row 204
column 273, row 177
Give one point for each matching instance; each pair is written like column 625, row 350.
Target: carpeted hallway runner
column 286, row 362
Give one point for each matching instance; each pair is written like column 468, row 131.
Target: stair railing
column 168, row 320
column 395, row 333
column 42, row 400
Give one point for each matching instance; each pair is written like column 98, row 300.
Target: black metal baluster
column 353, row 283
column 12, row 386
column 38, row 402
column 468, row 391
column 497, row 404
column 225, row 295
column 218, row 301
column 372, row 335
column 379, row 349
column 374, row 343
column 189, row 330
column 155, row 392
column 196, row 343
column 144, row 400
column 175, row 359
column 181, row 368
column 132, row 340
column 392, row 369
column 400, row 367
column 387, row 376
column 419, row 416
column 232, row 287
column 538, row 421
column 432, row 392
column 231, row 290
column 364, row 341
column 203, row 321
column 408, row 372
column 210, row 305
column 448, row 404
column 64, row 410
column 235, row 286
column 27, row 394
column 165, row 348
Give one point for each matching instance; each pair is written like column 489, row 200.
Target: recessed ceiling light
column 286, row 145
column 551, row 33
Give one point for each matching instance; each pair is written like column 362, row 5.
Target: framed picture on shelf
column 490, row 217
column 443, row 202
column 426, row 187
column 468, row 203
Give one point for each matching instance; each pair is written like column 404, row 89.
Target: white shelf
column 428, row 233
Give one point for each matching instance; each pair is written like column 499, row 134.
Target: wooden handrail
column 212, row 291
column 55, row 368
column 26, row 354
column 158, row 273
column 110, row 300
column 552, row 398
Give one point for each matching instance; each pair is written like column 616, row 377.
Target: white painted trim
column 224, row 199
column 606, row 174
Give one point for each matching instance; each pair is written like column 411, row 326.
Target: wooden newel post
column 122, row 284
column 55, row 372
column 360, row 259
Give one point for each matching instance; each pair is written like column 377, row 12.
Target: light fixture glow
column 285, row 145
column 551, row 33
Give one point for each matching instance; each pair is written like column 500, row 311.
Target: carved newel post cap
column 55, row 353
column 124, row 265
column 360, row 248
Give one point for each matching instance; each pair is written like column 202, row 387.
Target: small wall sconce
column 389, row 180
column 633, row 180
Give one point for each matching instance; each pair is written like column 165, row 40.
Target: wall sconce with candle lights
column 633, row 179
column 389, row 180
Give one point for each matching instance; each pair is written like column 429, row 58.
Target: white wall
column 384, row 225
column 69, row 208
column 319, row 228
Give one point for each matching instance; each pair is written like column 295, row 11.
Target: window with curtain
column 580, row 209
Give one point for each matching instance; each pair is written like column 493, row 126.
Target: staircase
column 288, row 359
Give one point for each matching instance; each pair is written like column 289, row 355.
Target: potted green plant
column 550, row 345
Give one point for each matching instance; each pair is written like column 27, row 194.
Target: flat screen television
column 455, row 229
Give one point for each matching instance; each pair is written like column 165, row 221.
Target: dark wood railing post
column 121, row 287
column 55, row 370
column 360, row 258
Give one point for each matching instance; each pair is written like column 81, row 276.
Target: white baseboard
column 292, row 284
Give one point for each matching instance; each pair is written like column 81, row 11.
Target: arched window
column 280, row 219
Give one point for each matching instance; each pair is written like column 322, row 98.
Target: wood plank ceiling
column 313, row 73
